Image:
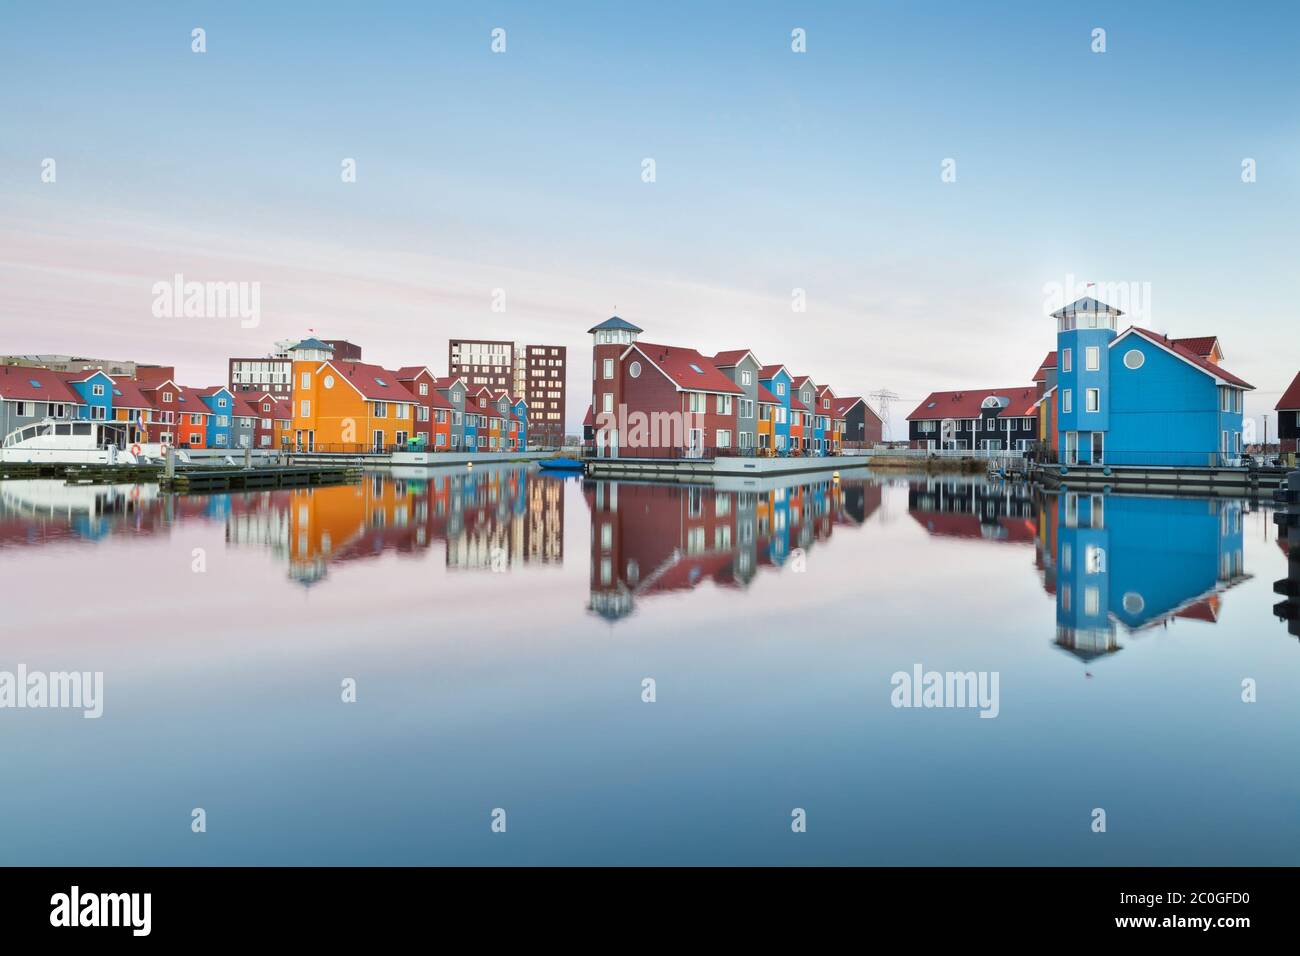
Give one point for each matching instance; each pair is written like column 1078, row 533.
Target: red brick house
column 658, row 401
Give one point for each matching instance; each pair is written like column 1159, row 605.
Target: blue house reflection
column 1137, row 563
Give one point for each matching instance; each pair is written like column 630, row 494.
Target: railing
column 361, row 448
column 690, row 453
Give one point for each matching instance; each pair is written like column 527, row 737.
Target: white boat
column 79, row 442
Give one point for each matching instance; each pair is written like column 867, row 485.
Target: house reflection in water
column 493, row 519
column 952, row 507
column 1110, row 561
column 649, row 539
column 1137, row 563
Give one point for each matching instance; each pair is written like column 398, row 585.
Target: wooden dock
column 189, row 478
column 238, row 479
column 1185, row 480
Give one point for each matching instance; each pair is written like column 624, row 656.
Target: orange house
column 349, row 407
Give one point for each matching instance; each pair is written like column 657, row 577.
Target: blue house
column 1138, row 563
column 220, row 405
column 1138, row 397
column 778, row 381
column 521, row 412
column 96, row 393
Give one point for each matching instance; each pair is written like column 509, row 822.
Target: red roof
column 372, row 381
column 841, row 406
column 1047, row 363
column 209, row 391
column 731, row 357
column 243, row 408
column 131, row 396
column 1291, row 397
column 408, row 372
column 1202, row 345
column 768, row 371
column 765, row 397
column 799, row 380
column 589, row 418
column 687, row 368
column 968, row 403
column 1182, row 351
column 16, row 385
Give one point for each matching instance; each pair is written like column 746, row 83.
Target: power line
column 883, row 397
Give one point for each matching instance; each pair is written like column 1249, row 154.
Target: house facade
column 220, row 404
column 1288, row 417
column 991, row 419
column 777, row 380
column 742, row 369
column 1141, row 398
column 658, row 400
column 349, row 406
column 862, row 427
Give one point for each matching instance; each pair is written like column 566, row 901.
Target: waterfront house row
column 1101, row 397
column 167, row 412
column 344, row 406
column 667, row 401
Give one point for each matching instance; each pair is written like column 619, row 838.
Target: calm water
column 499, row 625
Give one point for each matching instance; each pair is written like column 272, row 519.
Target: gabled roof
column 824, row 391
column 614, row 323
column 21, row 384
column 969, row 403
column 1044, row 366
column 408, row 372
column 1219, row 374
column 732, row 358
column 686, row 368
column 1202, row 345
column 210, row 391
column 770, row 371
column 842, row 406
column 374, row 382
column 801, row 380
column 241, row 407
column 765, row 397
column 128, row 394
column 589, row 419
column 1290, row 399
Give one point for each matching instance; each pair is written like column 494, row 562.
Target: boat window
column 63, row 429
column 28, row 433
column 81, row 429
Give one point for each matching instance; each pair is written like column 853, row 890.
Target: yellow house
column 349, row 407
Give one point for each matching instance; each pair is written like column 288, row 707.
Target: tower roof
column 1086, row 304
column 614, row 324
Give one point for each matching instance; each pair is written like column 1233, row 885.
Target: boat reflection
column 649, row 539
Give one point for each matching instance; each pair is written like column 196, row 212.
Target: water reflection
column 651, row 539
column 488, row 518
column 1113, row 564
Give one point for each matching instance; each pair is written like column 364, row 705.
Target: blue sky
column 775, row 171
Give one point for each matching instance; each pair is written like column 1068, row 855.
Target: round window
column 1134, row 358
column 1133, row 602
column 328, row 381
column 634, row 370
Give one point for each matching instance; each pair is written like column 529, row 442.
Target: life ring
column 135, row 450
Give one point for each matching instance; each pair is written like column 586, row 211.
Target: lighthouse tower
column 610, row 340
column 1084, row 330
